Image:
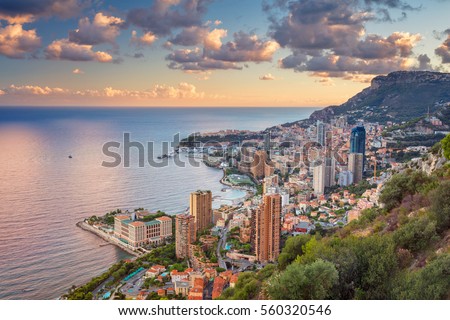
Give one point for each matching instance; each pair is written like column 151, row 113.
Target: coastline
column 108, row 238
column 112, row 240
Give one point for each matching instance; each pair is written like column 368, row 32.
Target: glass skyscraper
column 358, row 140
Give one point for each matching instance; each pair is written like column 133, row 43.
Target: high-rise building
column 258, row 164
column 319, row 178
column 201, row 209
column 270, row 181
column 185, row 234
column 267, row 144
column 358, row 141
column 321, row 133
column 266, row 225
column 356, row 166
column 345, row 178
column 330, row 172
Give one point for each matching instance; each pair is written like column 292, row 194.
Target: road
column 221, row 245
column 133, row 286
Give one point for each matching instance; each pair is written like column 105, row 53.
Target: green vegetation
column 164, row 255
column 445, row 143
column 300, row 282
column 292, row 249
column 402, row 185
column 440, row 206
column 152, row 217
column 244, row 248
column 108, row 218
column 249, row 284
column 259, row 190
column 417, row 234
column 84, row 292
column 431, row 282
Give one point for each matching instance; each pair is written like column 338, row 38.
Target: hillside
column 400, row 251
column 399, row 96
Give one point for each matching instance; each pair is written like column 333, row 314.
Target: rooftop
column 164, row 218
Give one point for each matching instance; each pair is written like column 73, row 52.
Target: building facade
column 267, row 228
column 319, row 178
column 356, row 166
column 258, row 164
column 345, row 178
column 321, row 133
column 201, row 209
column 358, row 141
column 139, row 233
column 185, row 234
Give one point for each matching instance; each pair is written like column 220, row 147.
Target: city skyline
column 212, row 53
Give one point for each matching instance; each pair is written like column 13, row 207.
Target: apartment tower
column 201, row 209
column 184, row 234
column 267, row 228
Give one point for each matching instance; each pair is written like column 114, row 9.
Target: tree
column 304, row 282
column 292, row 249
column 376, row 266
column 403, row 184
column 416, row 234
column 445, row 143
column 431, row 282
column 440, row 205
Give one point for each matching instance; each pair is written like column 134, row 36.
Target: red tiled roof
column 164, row 218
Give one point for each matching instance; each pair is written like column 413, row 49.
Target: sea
column 52, row 175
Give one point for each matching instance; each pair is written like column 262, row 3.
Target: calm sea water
column 43, row 193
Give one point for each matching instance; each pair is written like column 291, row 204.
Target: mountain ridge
column 388, row 96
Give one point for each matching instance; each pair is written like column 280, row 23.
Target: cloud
column 15, row 42
column 22, row 11
column 218, row 56
column 102, row 29
column 147, row 39
column 326, row 81
column 329, row 36
column 268, row 76
column 443, row 50
column 163, row 16
column 182, row 91
column 186, row 55
column 190, row 36
column 204, row 65
column 193, row 36
column 245, row 48
column 398, row 44
column 33, row 90
column 18, row 19
column 138, row 55
column 65, row 50
column 213, row 39
column 77, row 71
column 424, row 63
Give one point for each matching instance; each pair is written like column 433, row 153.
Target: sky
column 212, row 52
